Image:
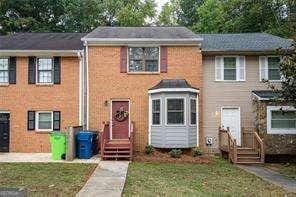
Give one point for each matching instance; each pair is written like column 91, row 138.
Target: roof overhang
column 248, row 52
column 160, row 90
column 25, row 53
column 265, row 95
column 142, row 41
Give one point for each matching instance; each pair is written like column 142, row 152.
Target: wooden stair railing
column 252, row 150
column 131, row 138
column 104, row 137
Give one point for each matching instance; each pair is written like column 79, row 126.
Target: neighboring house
column 234, row 66
column 164, row 86
column 39, row 88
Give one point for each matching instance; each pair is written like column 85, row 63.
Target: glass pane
column 274, row 74
column 273, row 63
column 44, row 125
column 45, row 77
column 44, row 64
column 193, row 111
column 151, row 65
column 136, row 53
column 230, row 62
column 151, row 53
column 155, row 105
column 136, row 65
column 193, row 118
column 3, row 76
column 283, row 114
column 4, row 64
column 229, row 74
column 156, row 118
column 283, row 124
column 44, row 116
column 175, row 118
column 175, row 104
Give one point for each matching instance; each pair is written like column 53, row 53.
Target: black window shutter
column 56, row 120
column 32, row 70
column 57, row 70
column 31, row 120
column 12, row 70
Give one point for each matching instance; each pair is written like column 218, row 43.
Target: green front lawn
column 217, row 179
column 45, row 179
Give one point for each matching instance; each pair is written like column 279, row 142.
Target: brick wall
column 21, row 97
column 106, row 82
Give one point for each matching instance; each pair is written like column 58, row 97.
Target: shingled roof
column 243, row 42
column 172, row 83
column 265, row 94
column 42, row 41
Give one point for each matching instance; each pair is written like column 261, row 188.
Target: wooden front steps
column 247, row 155
column 117, row 149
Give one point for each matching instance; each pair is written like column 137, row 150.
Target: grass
column 217, row 179
column 42, row 179
column 288, row 170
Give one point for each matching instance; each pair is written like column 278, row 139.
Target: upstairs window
column 175, row 111
column 45, row 70
column 230, row 68
column 156, row 112
column 270, row 68
column 4, row 70
column 143, row 59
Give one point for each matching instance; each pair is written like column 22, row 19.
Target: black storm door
column 4, row 132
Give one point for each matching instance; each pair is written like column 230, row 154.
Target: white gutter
column 80, row 108
column 87, row 85
column 69, row 53
column 140, row 40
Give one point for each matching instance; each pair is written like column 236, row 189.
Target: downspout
column 86, row 89
column 80, row 55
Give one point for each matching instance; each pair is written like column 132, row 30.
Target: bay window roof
column 173, row 85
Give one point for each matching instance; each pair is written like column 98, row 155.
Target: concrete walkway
column 40, row 158
column 107, row 180
column 271, row 176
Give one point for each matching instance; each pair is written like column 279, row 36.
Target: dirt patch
column 164, row 157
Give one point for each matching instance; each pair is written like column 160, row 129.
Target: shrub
column 175, row 153
column 196, row 152
column 149, row 149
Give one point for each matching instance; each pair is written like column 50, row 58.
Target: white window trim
column 143, row 72
column 6, row 83
column 278, row 131
column 267, row 70
column 190, row 112
column 184, row 113
column 160, row 112
column 37, row 121
column 37, row 77
column 236, row 68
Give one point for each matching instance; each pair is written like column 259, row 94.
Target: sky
column 160, row 3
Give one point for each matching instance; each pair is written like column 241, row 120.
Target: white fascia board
column 118, row 41
column 66, row 53
column 173, row 90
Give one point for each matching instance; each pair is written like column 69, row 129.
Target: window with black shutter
column 56, row 120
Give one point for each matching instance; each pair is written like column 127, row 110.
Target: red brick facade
column 20, row 97
column 106, row 82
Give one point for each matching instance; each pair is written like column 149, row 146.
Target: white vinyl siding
column 269, row 68
column 281, row 120
column 4, row 71
column 230, row 68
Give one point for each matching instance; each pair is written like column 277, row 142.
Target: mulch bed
column 164, row 157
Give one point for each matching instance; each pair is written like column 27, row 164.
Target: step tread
column 116, row 156
column 117, row 152
column 249, row 162
column 117, row 147
column 244, row 148
column 247, row 157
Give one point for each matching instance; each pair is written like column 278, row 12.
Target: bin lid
column 57, row 133
column 84, row 135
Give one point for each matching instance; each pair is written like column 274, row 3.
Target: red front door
column 120, row 119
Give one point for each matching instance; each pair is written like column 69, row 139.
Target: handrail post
column 234, row 151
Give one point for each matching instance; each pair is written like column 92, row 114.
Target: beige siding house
column 234, row 67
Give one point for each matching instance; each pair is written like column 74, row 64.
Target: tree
column 168, row 16
column 211, row 17
column 288, row 72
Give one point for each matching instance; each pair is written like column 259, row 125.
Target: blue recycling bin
column 84, row 144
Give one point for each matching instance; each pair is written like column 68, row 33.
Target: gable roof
column 243, row 42
column 42, row 41
column 121, row 35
